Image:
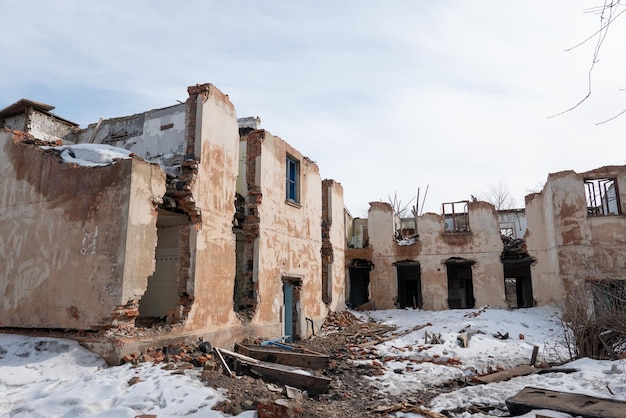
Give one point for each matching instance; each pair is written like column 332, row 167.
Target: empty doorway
column 518, row 284
column 359, row 273
column 291, row 308
column 460, row 284
column 409, row 285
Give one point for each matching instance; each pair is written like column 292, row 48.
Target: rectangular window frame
column 602, row 197
column 456, row 217
column 292, row 180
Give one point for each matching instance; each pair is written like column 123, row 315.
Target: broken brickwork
column 327, row 245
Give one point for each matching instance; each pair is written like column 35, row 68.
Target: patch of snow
column 91, row 155
column 48, row 377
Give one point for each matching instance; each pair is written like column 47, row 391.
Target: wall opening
column 245, row 289
column 518, row 283
column 291, row 308
column 460, row 283
column 359, row 273
column 162, row 300
column 602, row 197
column 409, row 285
column 456, row 216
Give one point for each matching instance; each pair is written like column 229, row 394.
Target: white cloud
column 385, row 96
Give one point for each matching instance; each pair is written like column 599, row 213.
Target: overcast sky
column 386, row 96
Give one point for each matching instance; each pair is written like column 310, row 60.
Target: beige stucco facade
column 571, row 241
column 572, row 233
column 427, row 259
column 282, row 238
column 77, row 242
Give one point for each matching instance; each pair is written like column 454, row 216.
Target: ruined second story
column 578, row 226
column 436, row 261
column 287, row 236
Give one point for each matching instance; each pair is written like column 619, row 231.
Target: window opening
column 507, row 232
column 602, row 197
column 293, row 180
column 456, row 216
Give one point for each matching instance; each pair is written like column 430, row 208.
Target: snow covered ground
column 46, row 377
column 412, row 367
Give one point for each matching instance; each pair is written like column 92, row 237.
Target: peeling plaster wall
column 482, row 245
column 541, row 244
column 63, row 237
column 570, row 245
column 147, row 186
column 289, row 244
column 212, row 269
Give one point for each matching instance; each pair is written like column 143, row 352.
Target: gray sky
column 386, row 96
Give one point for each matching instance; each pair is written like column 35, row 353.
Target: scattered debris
column 501, row 336
column 379, row 340
column 463, row 339
column 406, row 407
column 499, row 376
column 296, row 357
column 432, row 338
column 477, row 313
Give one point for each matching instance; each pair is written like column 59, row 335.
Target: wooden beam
column 570, row 403
column 523, row 370
column 292, row 376
column 222, row 362
column 310, row 360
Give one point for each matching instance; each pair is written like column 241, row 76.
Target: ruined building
column 171, row 224
column 571, row 235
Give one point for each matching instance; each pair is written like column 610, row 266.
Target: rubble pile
column 339, row 320
column 181, row 356
column 513, row 249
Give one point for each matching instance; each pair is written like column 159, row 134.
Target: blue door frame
column 288, row 309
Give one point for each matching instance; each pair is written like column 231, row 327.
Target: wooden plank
column 222, row 362
column 239, row 356
column 391, row 337
column 291, row 358
column 292, row 376
column 533, row 357
column 570, row 403
column 523, row 370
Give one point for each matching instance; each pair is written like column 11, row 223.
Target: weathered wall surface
column 334, row 237
column 542, row 245
column 63, row 237
column 215, row 136
column 289, row 241
column 482, row 245
column 570, row 245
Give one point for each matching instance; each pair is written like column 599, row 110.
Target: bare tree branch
column 609, row 7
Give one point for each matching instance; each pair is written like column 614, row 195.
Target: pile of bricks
column 338, row 320
column 190, row 355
